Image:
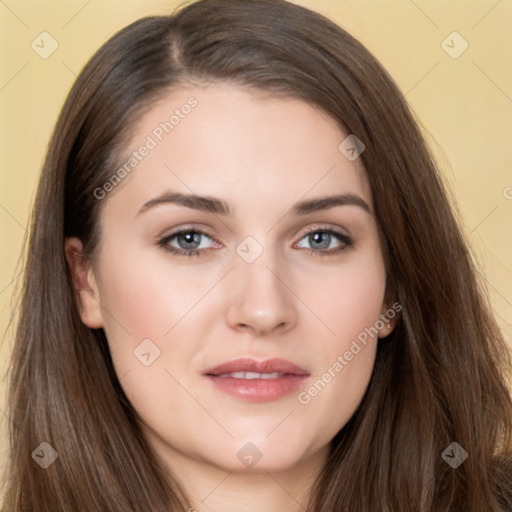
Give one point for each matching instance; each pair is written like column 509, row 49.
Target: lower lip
column 258, row 390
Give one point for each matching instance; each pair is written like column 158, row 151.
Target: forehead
column 238, row 144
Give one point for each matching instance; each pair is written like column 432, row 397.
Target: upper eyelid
column 323, row 227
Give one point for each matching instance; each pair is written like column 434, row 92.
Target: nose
column 261, row 301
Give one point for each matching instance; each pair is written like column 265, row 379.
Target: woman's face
column 238, row 275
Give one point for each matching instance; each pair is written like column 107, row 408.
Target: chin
column 268, row 463
column 258, row 454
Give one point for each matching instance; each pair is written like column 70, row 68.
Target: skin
column 261, row 155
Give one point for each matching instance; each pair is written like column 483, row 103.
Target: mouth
column 257, row 381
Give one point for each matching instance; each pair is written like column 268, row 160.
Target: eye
column 193, row 242
column 324, row 242
column 187, row 242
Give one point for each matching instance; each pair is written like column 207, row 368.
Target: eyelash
column 345, row 240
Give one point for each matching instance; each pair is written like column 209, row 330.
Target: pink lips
column 255, row 388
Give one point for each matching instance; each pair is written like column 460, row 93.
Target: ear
column 389, row 315
column 84, row 284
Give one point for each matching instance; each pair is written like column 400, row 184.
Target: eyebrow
column 219, row 207
column 195, row 202
column 314, row 205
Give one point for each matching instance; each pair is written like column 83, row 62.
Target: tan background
column 464, row 104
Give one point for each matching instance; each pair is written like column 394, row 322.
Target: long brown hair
column 439, row 378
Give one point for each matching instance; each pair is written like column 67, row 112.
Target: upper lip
column 246, row 364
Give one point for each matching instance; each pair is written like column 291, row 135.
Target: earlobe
column 387, row 328
column 84, row 284
column 388, row 320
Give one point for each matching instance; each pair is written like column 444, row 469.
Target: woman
column 245, row 288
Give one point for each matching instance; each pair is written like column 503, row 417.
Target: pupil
column 189, row 240
column 320, row 240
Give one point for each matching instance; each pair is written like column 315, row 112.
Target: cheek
column 147, row 296
column 333, row 395
column 348, row 298
column 349, row 310
column 151, row 300
column 155, row 325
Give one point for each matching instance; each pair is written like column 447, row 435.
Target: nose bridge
column 261, row 301
column 261, row 278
